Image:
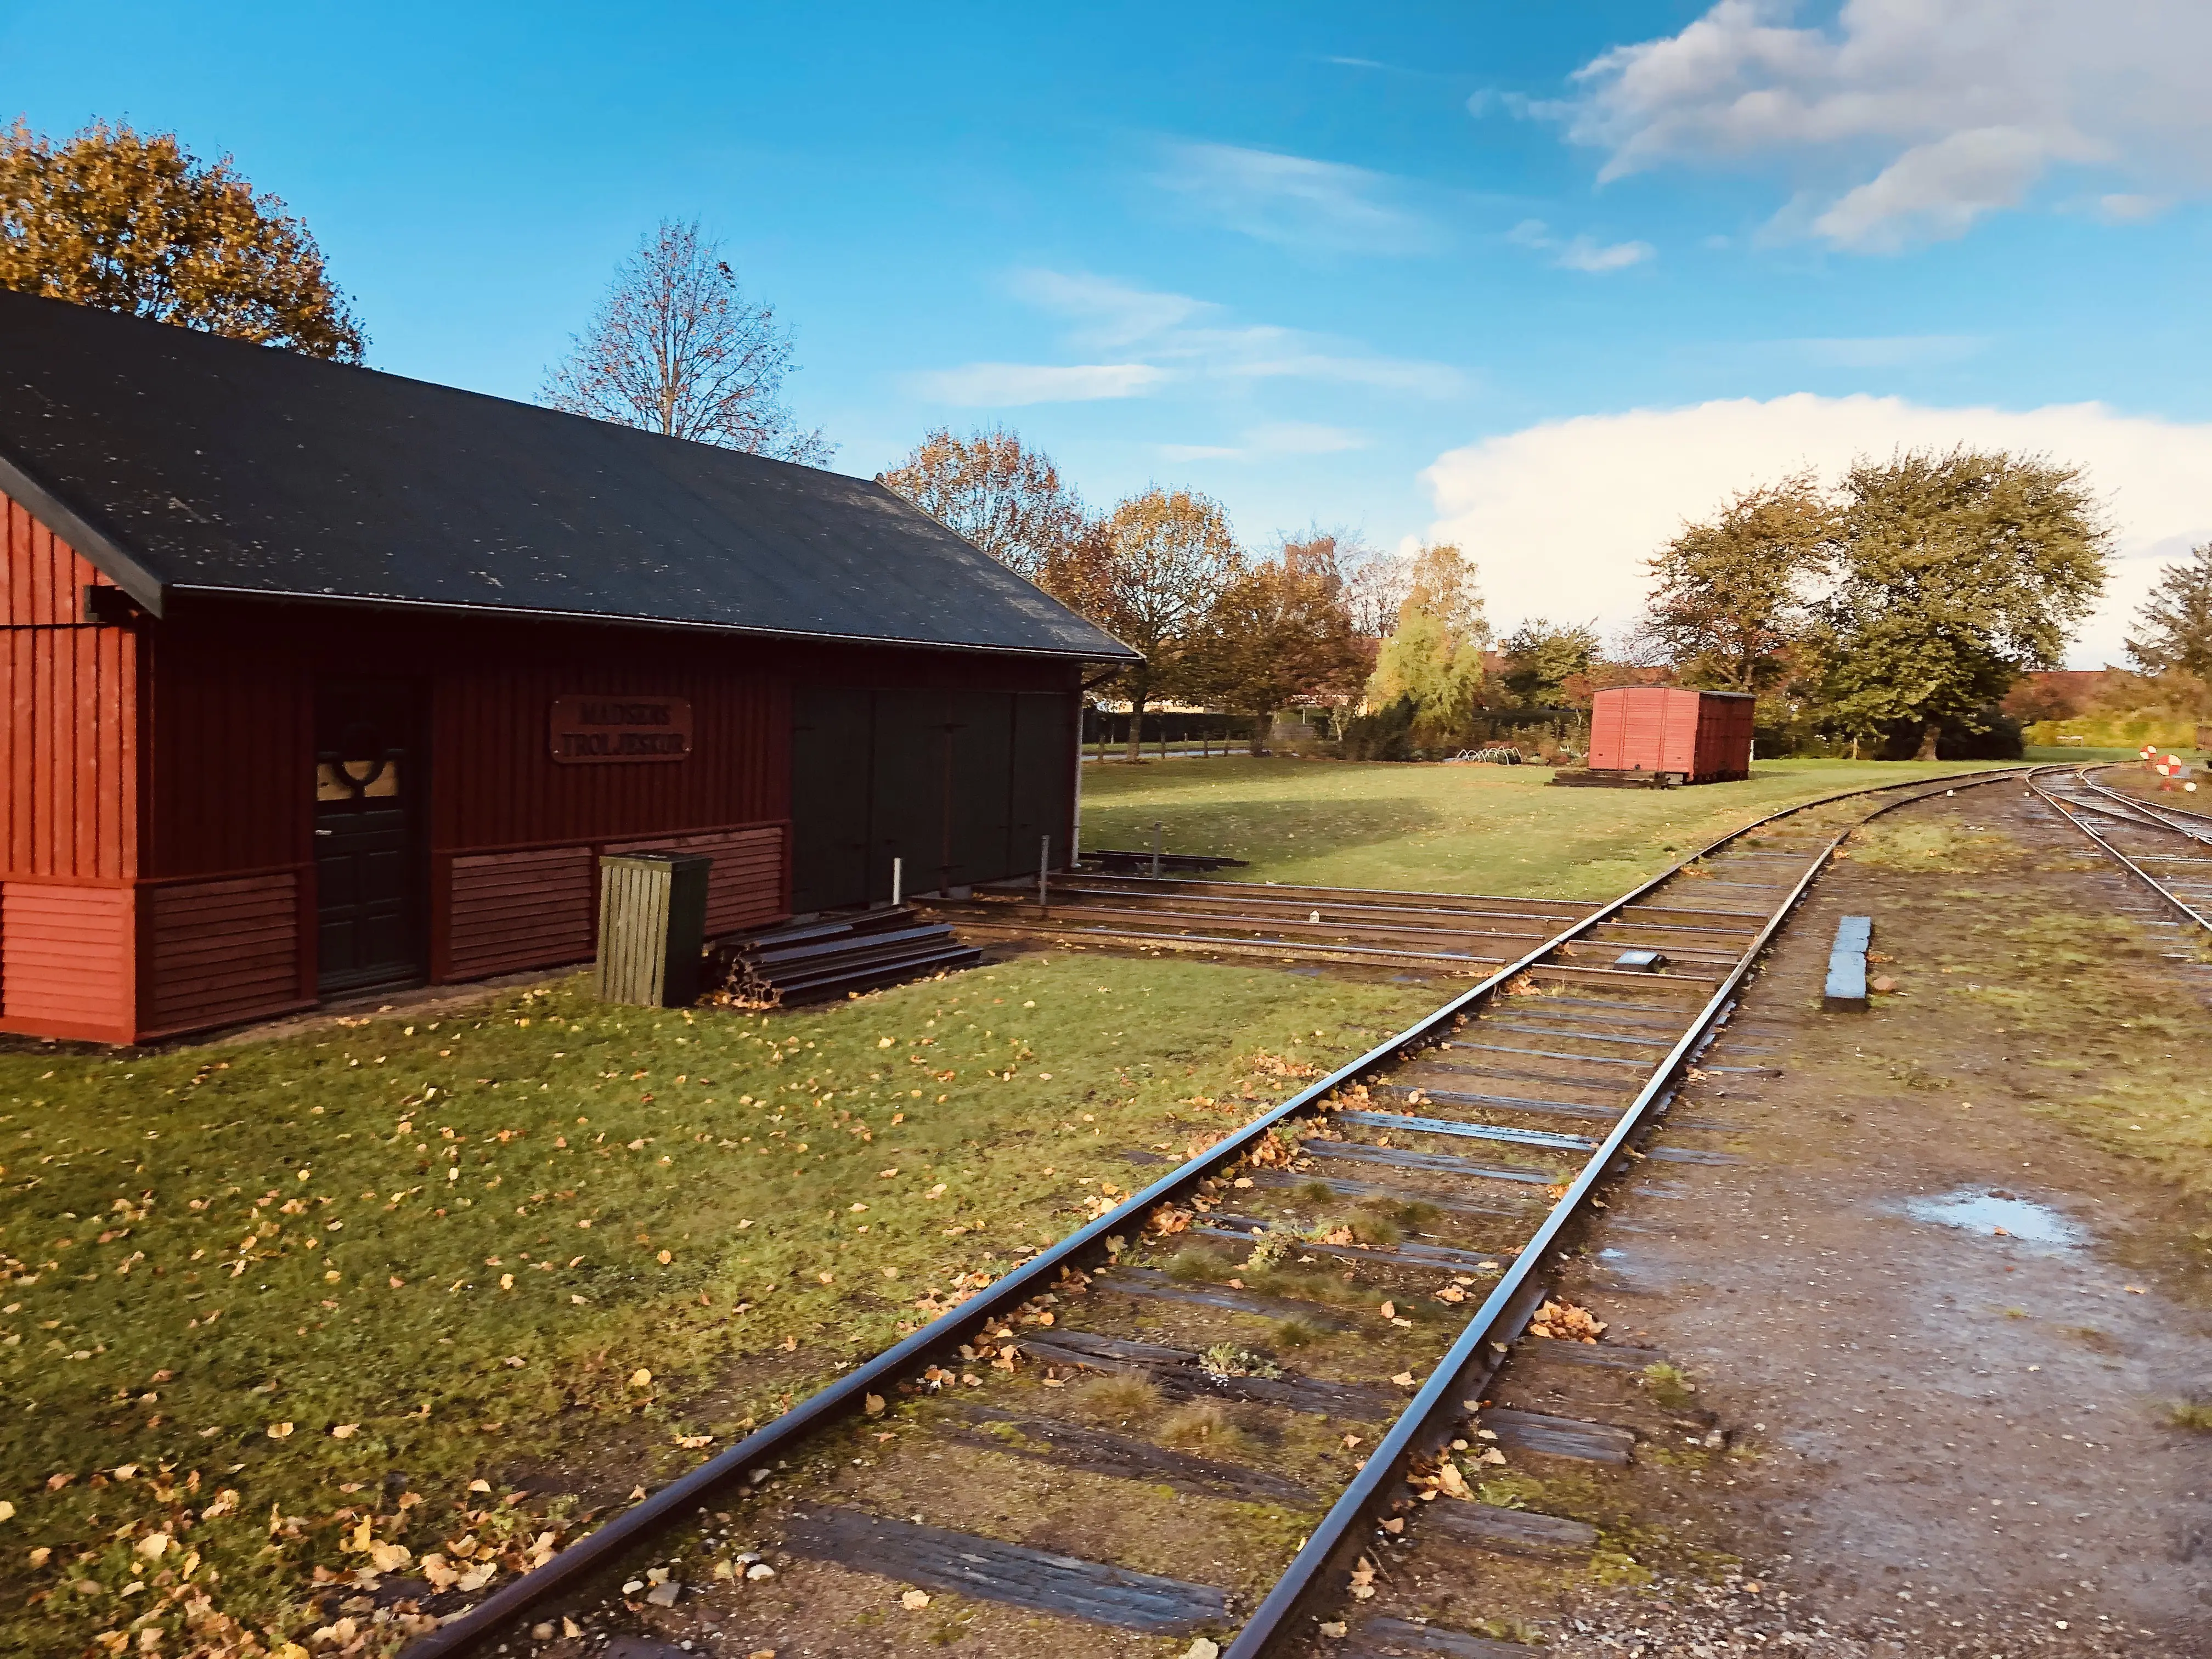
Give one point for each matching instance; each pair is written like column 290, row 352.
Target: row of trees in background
column 1902, row 603
column 1890, row 611
column 1319, row 619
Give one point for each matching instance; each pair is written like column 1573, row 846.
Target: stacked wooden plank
column 836, row 955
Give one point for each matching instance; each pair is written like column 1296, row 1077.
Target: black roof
column 181, row 464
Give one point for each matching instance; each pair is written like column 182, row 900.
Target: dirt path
column 1937, row 1305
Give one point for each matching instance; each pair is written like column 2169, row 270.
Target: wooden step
column 1558, row 1436
column 1510, row 1531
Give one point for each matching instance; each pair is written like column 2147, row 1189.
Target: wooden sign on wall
column 596, row 730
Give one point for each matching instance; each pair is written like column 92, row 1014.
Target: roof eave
column 99, row 548
column 1122, row 654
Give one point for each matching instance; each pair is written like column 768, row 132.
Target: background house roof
column 183, row 464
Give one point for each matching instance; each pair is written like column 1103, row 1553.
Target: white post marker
column 1845, row 991
column 899, row 878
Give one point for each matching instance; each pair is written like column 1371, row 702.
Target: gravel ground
column 1675, row 1620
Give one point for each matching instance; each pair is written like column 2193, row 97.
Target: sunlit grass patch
column 1465, row 829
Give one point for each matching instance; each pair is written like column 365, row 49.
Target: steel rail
column 2075, row 817
column 2161, row 811
column 603, row 1547
column 1441, row 1400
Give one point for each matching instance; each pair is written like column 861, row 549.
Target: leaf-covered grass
column 1458, row 828
column 275, row 1304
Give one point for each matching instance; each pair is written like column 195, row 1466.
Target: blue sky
column 1542, row 278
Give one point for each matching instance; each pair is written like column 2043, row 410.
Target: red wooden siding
column 229, row 723
column 72, row 711
column 216, row 953
column 508, row 911
column 745, row 887
column 66, row 958
column 69, row 843
column 494, row 783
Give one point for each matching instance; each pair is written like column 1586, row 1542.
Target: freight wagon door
column 368, row 869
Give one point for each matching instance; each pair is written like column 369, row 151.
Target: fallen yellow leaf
column 914, row 1601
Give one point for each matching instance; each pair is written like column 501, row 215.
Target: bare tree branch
column 677, row 348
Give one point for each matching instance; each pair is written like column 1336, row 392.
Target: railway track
column 1294, row 1334
column 2165, row 850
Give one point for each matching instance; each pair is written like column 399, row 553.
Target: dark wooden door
column 368, row 791
column 906, row 793
column 980, row 759
column 831, row 734
column 1042, row 791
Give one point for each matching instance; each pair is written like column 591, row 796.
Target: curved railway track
column 1344, row 1274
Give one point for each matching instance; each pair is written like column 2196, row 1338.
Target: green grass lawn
column 1463, row 828
column 271, row 1307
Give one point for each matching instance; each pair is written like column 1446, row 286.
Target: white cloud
column 1274, row 438
column 1583, row 252
column 1105, row 312
column 2125, row 207
column 1165, row 337
column 1297, row 201
column 1560, row 517
column 1911, row 119
column 1267, row 361
column 988, row 386
column 1936, row 192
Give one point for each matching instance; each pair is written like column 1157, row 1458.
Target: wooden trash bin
column 652, row 928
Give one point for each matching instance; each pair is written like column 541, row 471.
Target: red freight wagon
column 1693, row 737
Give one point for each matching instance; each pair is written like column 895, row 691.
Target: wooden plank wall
column 509, row 911
column 219, row 951
column 745, row 887
column 71, row 809
column 68, row 841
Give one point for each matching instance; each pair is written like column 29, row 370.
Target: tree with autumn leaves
column 1281, row 632
column 1162, row 571
column 134, row 222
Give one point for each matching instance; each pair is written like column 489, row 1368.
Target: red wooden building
column 321, row 679
column 1694, row 737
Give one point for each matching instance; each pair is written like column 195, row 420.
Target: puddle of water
column 1993, row 1211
